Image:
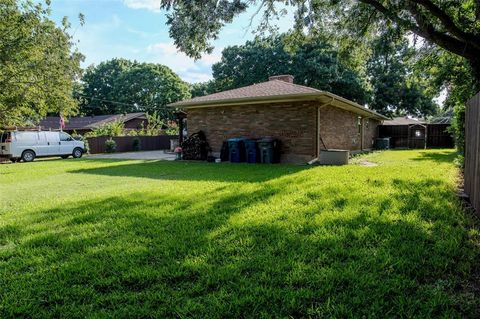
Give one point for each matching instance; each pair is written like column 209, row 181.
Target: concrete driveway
column 145, row 155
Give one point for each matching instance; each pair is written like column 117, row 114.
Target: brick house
column 304, row 119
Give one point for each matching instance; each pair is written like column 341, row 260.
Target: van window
column 4, row 136
column 52, row 137
column 64, row 137
column 26, row 136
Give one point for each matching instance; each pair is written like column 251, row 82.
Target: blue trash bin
column 251, row 151
column 236, row 149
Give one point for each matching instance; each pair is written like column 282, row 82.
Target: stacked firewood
column 195, row 147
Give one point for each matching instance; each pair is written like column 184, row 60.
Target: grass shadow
column 439, row 156
column 216, row 256
column 194, row 171
column 285, row 243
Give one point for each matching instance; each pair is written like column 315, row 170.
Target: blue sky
column 136, row 30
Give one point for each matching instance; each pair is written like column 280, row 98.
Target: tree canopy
column 454, row 76
column 452, row 25
column 387, row 84
column 395, row 88
column 38, row 64
column 123, row 86
column 313, row 63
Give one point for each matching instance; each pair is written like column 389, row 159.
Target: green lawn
column 104, row 238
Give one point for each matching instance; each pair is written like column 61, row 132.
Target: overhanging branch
column 448, row 23
column 442, row 39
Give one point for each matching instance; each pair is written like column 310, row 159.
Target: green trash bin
column 269, row 150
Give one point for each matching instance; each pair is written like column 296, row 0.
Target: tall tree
column 38, row 64
column 203, row 88
column 97, row 93
column 150, row 87
column 312, row 63
column 396, row 91
column 451, row 25
column 452, row 75
column 123, row 86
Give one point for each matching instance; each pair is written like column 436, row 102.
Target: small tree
column 155, row 124
column 110, row 146
column 137, row 145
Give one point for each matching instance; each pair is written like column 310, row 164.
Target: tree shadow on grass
column 438, row 156
column 215, row 256
column 203, row 171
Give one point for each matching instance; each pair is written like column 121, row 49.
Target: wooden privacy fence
column 472, row 151
column 403, row 136
column 125, row 143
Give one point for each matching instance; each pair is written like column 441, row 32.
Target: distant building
column 84, row 124
column 406, row 132
column 305, row 120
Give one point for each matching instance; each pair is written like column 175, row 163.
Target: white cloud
column 194, row 77
column 152, row 5
column 189, row 70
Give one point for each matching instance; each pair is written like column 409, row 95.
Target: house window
column 418, row 133
column 359, row 125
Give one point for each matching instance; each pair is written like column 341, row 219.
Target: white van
column 27, row 145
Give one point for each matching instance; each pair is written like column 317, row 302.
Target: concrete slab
column 145, row 155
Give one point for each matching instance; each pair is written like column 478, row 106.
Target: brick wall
column 339, row 129
column 294, row 124
column 370, row 132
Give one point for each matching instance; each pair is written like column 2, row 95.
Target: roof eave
column 240, row 101
column 355, row 107
column 115, row 118
column 349, row 105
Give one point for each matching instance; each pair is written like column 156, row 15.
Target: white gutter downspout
column 318, row 130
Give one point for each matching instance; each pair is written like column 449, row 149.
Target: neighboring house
column 405, row 132
column 304, row 119
column 84, row 124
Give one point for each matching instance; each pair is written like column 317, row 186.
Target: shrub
column 132, row 133
column 136, row 144
column 172, row 130
column 154, row 124
column 110, row 146
column 460, row 161
column 109, row 129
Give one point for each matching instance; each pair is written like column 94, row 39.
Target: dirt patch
column 367, row 163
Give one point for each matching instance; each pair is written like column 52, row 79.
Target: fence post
column 472, row 151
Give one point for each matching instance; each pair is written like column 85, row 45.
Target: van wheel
column 28, row 156
column 77, row 153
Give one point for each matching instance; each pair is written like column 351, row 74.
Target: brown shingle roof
column 271, row 88
column 402, row 121
column 87, row 122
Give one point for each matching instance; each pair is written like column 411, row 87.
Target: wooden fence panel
column 472, row 151
column 398, row 135
column 439, row 136
column 125, row 143
column 403, row 137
